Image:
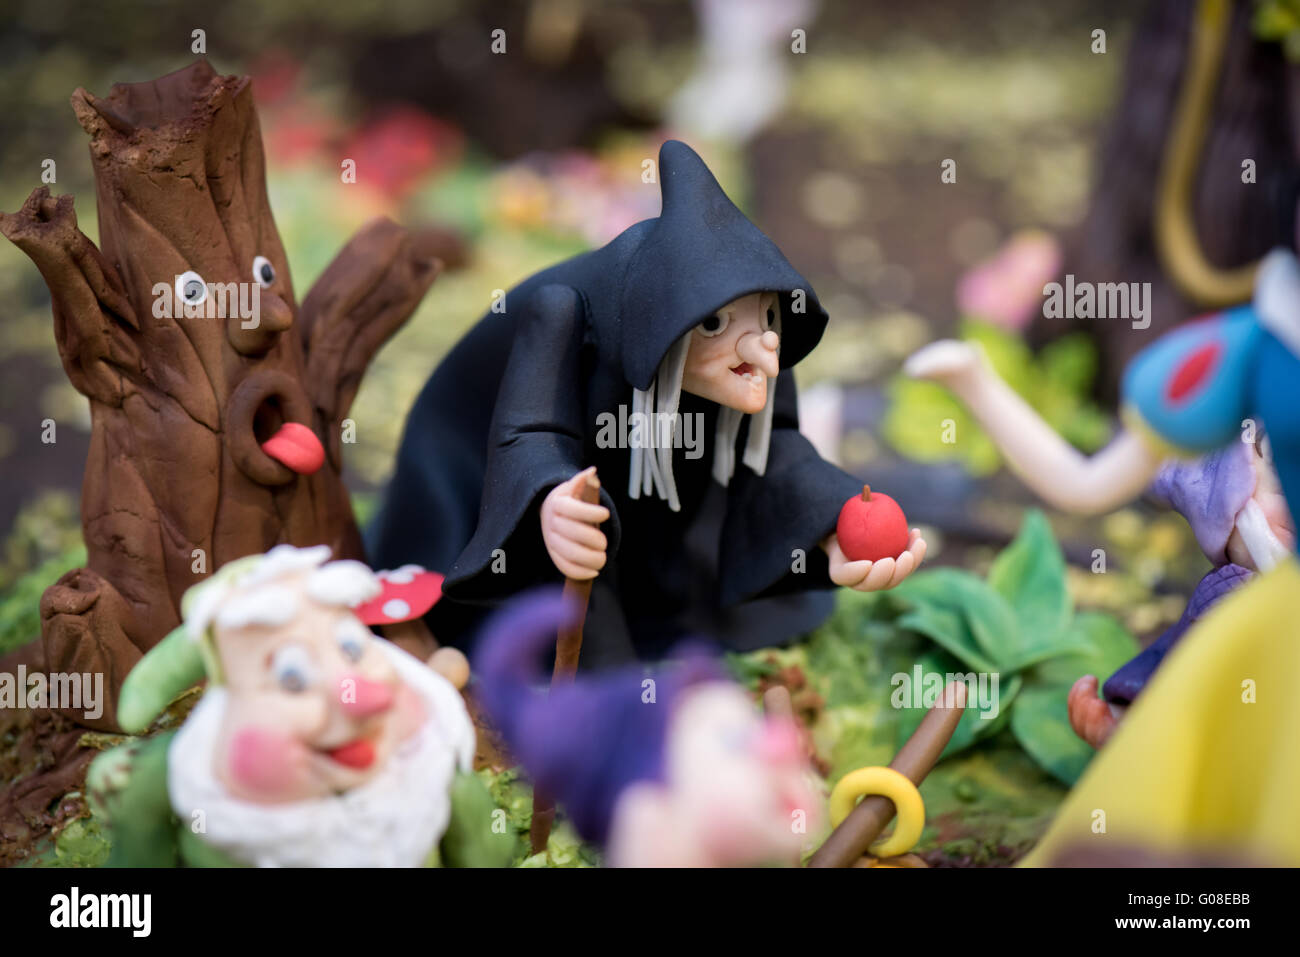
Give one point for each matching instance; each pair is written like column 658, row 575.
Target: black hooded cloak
column 513, row 410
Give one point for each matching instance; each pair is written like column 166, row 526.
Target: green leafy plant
column 1020, row 625
column 1002, row 778
column 20, row 607
column 1056, row 382
column 513, row 794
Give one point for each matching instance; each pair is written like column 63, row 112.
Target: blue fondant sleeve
column 1192, row 386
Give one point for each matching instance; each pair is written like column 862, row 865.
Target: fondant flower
column 1008, row 288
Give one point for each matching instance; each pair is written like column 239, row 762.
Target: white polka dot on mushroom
column 404, row 575
column 396, row 608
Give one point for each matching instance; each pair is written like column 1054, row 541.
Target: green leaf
column 941, row 616
column 1030, row 575
column 949, row 630
column 1041, row 723
column 1100, row 645
column 974, row 725
column 964, row 615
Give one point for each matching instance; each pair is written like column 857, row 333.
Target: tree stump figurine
column 216, row 429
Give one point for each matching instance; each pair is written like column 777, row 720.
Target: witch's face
column 733, row 353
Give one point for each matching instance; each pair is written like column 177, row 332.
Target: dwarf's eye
column 353, row 638
column 263, row 271
column 190, row 288
column 292, row 669
column 714, row 325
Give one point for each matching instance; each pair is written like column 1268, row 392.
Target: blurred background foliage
column 537, row 154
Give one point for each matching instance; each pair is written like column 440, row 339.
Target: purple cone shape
column 582, row 743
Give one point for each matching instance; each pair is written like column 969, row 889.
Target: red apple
column 871, row 527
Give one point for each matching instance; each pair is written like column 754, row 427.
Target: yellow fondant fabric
column 1208, row 758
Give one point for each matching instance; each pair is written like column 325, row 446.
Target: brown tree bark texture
column 180, row 406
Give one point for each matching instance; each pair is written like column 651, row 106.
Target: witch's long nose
column 759, row 350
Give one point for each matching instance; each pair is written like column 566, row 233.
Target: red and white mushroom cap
column 408, row 593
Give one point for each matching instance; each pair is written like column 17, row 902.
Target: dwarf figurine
column 675, row 770
column 316, row 743
column 663, row 360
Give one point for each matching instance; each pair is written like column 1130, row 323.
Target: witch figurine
column 663, row 360
column 674, row 769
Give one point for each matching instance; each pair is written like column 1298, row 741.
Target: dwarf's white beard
column 393, row 820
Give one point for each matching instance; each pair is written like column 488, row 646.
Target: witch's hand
column 874, row 576
column 569, row 528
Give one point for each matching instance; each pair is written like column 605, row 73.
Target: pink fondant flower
column 1008, row 288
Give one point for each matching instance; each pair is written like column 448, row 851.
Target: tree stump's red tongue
column 296, row 446
column 355, row 754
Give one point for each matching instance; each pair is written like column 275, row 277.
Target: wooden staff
column 915, row 760
column 568, row 645
column 777, row 703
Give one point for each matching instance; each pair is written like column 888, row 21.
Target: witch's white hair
column 652, row 468
column 250, row 595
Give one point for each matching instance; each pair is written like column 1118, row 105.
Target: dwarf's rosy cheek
column 410, row 709
column 264, row 762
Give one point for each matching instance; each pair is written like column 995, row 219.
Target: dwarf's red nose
column 362, row 697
